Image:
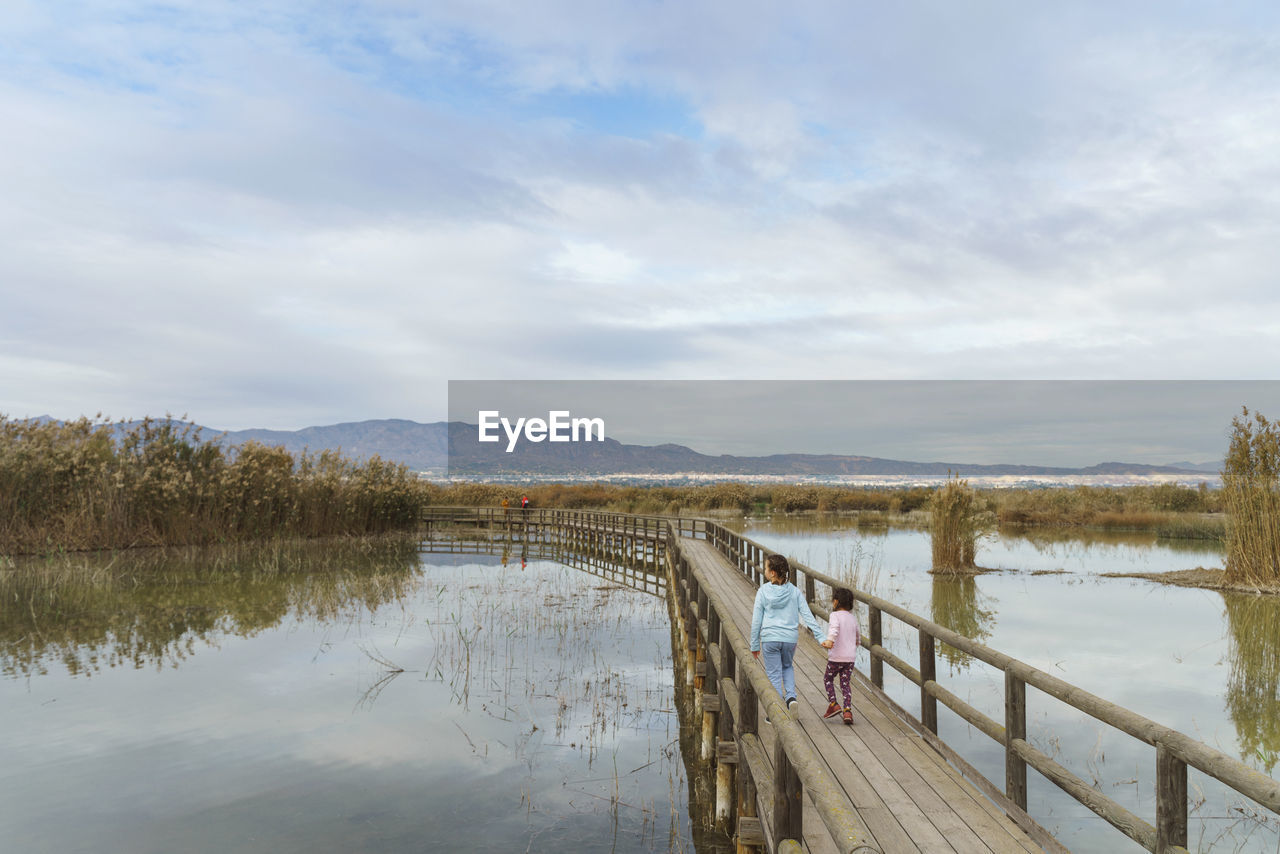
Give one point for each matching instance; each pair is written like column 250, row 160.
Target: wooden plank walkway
column 907, row 795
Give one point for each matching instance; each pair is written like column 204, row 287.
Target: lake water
column 1202, row 662
column 387, row 697
column 336, row 698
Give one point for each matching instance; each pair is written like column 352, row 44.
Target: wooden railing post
column 1015, row 727
column 810, row 589
column 875, row 634
column 691, row 630
column 1171, row 800
column 928, row 673
column 788, row 807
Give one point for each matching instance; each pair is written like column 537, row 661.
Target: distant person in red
column 524, row 502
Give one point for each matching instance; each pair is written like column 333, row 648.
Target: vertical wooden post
column 788, row 806
column 726, row 745
column 810, row 590
column 746, row 722
column 1015, row 727
column 695, row 643
column 876, row 639
column 928, row 673
column 1171, row 800
column 710, row 711
column 712, row 678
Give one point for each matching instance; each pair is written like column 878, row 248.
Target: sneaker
column 848, row 717
column 791, row 703
column 833, row 709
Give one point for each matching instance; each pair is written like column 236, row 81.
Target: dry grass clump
column 954, row 526
column 1251, row 489
column 92, row 484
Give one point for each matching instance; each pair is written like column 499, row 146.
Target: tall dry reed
column 954, row 526
column 91, row 484
column 1251, row 489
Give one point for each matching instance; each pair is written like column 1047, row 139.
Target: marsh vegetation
column 91, row 484
column 955, row 522
column 1251, row 487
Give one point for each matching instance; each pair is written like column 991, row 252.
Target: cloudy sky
column 265, row 217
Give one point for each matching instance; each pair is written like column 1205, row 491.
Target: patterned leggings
column 845, row 670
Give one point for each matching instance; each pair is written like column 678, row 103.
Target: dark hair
column 779, row 565
column 843, row 597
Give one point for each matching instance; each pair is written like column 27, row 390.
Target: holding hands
column 828, row 644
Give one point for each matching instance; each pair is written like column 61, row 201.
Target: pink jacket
column 843, row 631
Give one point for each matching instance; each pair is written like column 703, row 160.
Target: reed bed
column 1133, row 507
column 92, row 484
column 1251, row 490
column 1170, row 510
column 744, row 498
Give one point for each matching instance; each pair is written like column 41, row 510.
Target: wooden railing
column 1175, row 751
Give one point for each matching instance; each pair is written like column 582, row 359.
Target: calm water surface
column 376, row 697
column 326, row 698
column 1203, row 662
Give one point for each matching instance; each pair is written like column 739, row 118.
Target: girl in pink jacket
column 842, row 651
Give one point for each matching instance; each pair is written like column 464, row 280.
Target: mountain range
column 454, row 446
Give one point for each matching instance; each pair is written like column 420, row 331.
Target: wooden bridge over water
column 793, row 781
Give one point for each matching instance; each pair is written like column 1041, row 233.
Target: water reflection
column 958, row 604
column 342, row 696
column 155, row 606
column 1253, row 685
column 611, row 561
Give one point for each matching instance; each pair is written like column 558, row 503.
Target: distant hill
column 469, row 457
column 454, row 446
column 1210, row 467
column 422, row 447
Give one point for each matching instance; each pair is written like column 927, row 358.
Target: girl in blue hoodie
column 775, row 625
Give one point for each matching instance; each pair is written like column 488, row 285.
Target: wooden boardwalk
column 905, row 793
column 888, row 783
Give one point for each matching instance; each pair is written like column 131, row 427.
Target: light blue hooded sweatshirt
column 777, row 614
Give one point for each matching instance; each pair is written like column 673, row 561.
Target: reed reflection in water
column 1253, row 685
column 338, row 696
column 156, row 606
column 959, row 605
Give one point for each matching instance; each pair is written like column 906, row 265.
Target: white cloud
column 294, row 220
